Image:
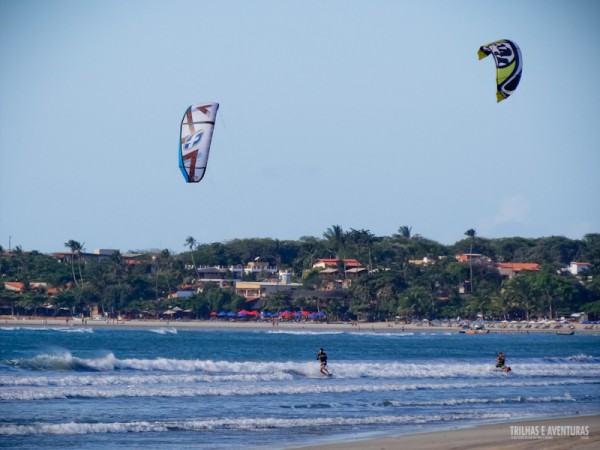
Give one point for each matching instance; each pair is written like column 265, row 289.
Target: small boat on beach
column 476, row 331
column 567, row 332
column 477, row 328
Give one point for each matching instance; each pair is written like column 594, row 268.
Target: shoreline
column 373, row 327
column 573, row 433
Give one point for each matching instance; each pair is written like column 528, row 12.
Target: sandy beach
column 575, row 433
column 378, row 327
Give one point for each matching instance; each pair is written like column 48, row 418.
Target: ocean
column 125, row 388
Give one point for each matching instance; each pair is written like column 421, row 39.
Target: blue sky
column 369, row 115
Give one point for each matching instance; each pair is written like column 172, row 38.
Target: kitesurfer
column 501, row 360
column 502, row 363
column 322, row 356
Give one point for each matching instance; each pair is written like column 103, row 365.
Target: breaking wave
column 243, row 424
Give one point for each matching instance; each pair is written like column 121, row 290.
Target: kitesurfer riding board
column 322, row 356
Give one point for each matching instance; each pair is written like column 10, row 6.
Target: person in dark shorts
column 322, row 356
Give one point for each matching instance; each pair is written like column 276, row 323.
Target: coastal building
column 473, row 257
column 338, row 273
column 235, row 272
column 97, row 255
column 19, row 287
column 576, row 268
column 509, row 270
column 334, row 263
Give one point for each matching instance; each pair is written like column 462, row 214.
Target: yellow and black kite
column 509, row 65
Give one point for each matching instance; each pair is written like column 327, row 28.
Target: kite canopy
column 509, row 65
column 194, row 140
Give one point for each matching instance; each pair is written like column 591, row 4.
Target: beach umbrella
column 222, row 314
column 169, row 312
column 230, row 314
column 265, row 314
column 214, row 313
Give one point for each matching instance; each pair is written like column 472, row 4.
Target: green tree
column 521, row 291
column 405, row 231
column 191, row 243
column 417, row 301
column 364, row 241
column 279, row 301
column 471, row 233
column 32, row 301
column 336, row 238
column 76, row 249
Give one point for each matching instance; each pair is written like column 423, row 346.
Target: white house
column 577, row 267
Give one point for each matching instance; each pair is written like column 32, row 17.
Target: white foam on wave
column 145, row 379
column 16, row 328
column 73, row 330
column 304, row 332
column 66, row 329
column 63, row 360
column 241, row 424
column 164, row 330
column 569, row 369
column 472, row 401
column 254, row 389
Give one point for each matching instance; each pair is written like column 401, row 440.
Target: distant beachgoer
column 322, row 356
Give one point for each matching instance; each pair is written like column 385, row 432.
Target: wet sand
column 575, row 433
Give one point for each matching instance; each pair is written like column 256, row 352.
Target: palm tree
column 522, row 292
column 405, row 231
column 75, row 248
column 471, row 233
column 116, row 260
column 191, row 243
column 165, row 260
column 18, row 252
column 336, row 237
column 363, row 239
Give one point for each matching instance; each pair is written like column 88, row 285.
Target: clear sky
column 369, row 115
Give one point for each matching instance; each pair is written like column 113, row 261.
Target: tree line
column 394, row 286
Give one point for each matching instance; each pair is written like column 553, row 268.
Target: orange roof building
column 511, row 269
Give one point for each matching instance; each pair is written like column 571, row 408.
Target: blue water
column 95, row 388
